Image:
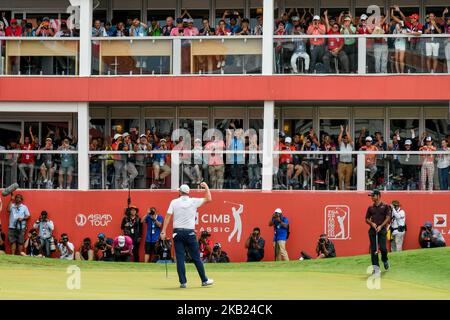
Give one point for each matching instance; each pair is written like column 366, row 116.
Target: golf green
column 415, row 274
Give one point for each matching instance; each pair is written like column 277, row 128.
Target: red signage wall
column 340, row 215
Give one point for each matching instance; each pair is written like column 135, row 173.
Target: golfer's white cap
column 363, row 17
column 121, row 241
column 316, row 18
column 288, row 140
column 184, row 188
column 408, row 142
column 369, row 138
column 278, row 210
column 117, row 136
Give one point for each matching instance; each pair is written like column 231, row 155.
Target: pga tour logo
column 337, row 222
column 230, row 224
column 95, row 220
column 440, row 220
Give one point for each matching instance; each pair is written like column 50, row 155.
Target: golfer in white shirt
column 184, row 211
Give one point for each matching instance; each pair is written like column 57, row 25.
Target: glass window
column 332, row 127
column 99, row 15
column 97, row 128
column 292, row 127
column 404, row 126
column 9, row 131
column 160, row 16
column 124, row 15
column 437, row 128
column 224, row 124
column 55, row 130
column 334, row 12
column 162, row 127
column 194, row 126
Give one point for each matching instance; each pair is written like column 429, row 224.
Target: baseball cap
column 428, row 138
column 13, row 21
column 295, row 18
column 185, row 20
column 163, row 140
column 363, row 17
column 117, row 136
column 46, row 19
column 143, row 135
column 48, row 139
column 288, row 140
column 347, row 19
column 316, row 18
column 135, row 208
column 408, row 142
column 278, row 210
column 414, row 16
column 375, row 193
column 126, row 134
column 369, row 138
column 121, row 241
column 101, row 235
column 395, row 203
column 179, row 20
column 184, row 188
column 428, row 224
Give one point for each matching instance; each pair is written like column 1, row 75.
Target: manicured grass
column 415, row 274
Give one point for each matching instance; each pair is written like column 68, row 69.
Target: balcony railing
column 39, row 56
column 218, row 55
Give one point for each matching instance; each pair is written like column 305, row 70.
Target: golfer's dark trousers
column 381, row 245
column 186, row 239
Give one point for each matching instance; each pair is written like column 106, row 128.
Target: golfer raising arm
column 184, row 210
column 377, row 217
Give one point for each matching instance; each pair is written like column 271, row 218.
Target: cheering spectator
column 255, row 246
column 206, row 30
column 48, row 165
column 130, row 171
column 432, row 44
column 335, row 47
column 66, row 249
column 235, row 142
column 345, row 166
column 178, row 30
column 380, row 46
column 167, row 29
column 216, row 168
column 122, row 248
column 427, row 170
column 349, row 43
column 138, row 29
column 27, row 160
column 45, row 227
column 258, row 30
column 446, row 28
column 161, row 168
column 18, row 216
column 98, row 30
column 443, row 165
column 254, row 168
column 85, row 252
column 14, row 30
column 121, row 31
column 300, row 49
column 154, row 29
column 371, row 158
column 64, row 31
column 67, row 164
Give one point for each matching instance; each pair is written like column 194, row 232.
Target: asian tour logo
column 229, row 223
column 337, row 222
column 95, row 219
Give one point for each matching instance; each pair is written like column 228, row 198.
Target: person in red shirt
column 27, row 160
column 335, row 48
column 287, row 162
column 317, row 46
column 427, row 170
column 14, row 30
column 363, row 27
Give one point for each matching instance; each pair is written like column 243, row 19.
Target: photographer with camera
column 32, row 246
column 45, row 227
column 103, row 248
column 154, row 223
column 398, row 226
column 122, row 248
column 85, row 252
column 218, row 255
column 325, row 248
column 430, row 237
column 132, row 227
column 255, row 246
column 18, row 216
column 280, row 225
column 66, row 249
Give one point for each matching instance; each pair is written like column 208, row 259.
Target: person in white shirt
column 345, row 166
column 66, row 249
column 398, row 226
column 184, row 212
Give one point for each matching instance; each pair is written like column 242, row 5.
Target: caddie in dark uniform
column 378, row 217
